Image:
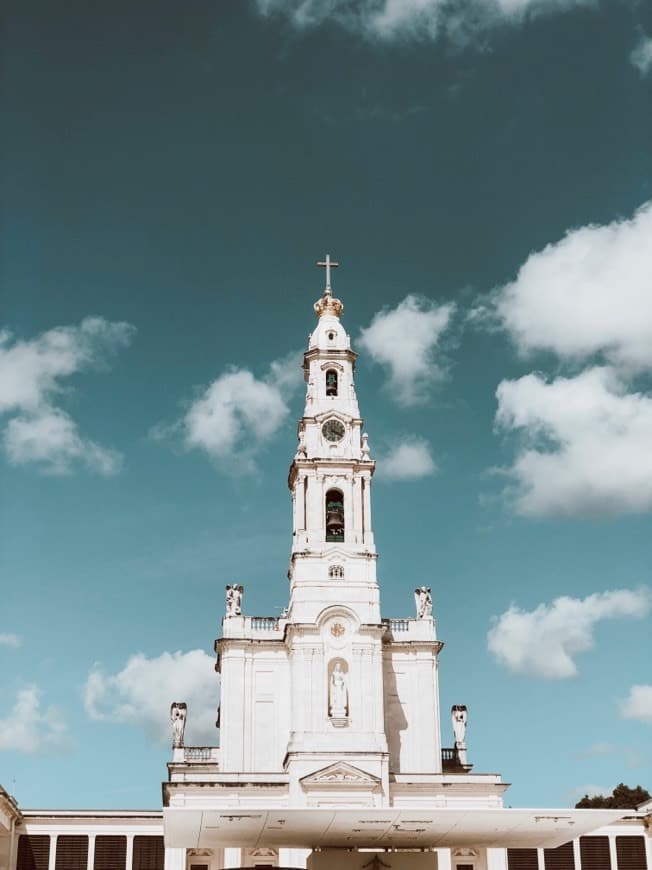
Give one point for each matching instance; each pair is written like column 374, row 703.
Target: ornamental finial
column 328, row 304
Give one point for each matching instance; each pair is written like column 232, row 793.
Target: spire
column 328, row 305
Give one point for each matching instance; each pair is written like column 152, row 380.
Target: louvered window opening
column 522, row 859
column 72, row 852
column 561, row 858
column 110, row 852
column 594, row 853
column 631, row 853
column 33, row 852
column 149, row 853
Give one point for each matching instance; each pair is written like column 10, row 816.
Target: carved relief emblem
column 337, row 629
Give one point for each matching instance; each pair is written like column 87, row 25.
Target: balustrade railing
column 264, row 623
column 397, row 625
column 199, row 753
column 450, row 759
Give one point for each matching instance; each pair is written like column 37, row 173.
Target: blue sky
column 170, row 172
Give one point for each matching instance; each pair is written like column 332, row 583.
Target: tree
column 622, row 798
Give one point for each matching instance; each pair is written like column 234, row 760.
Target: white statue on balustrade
column 338, row 706
column 178, row 712
column 234, row 600
column 459, row 717
column 423, row 601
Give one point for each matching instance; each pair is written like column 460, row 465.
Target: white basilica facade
column 330, row 750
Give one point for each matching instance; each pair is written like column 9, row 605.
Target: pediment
column 340, row 775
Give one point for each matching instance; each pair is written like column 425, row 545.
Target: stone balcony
column 408, row 630
column 200, row 754
column 254, row 627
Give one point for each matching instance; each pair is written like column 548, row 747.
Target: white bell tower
column 333, row 554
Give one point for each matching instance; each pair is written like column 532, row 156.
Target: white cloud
column 141, row 693
column 51, row 439
column 28, row 727
column 389, row 20
column 638, row 704
column 641, row 56
column 596, row 749
column 589, row 790
column 405, row 340
column 9, row 639
column 542, row 642
column 31, row 374
column 588, row 293
column 587, row 444
column 234, row 416
column 410, row 459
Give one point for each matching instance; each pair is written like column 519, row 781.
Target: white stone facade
column 330, row 752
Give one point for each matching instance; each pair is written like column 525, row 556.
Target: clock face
column 333, row 430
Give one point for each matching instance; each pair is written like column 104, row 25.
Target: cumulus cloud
column 237, row 414
column 51, row 440
column 141, row 693
column 390, row 20
column 638, row 704
column 587, row 444
column 9, row 639
column 641, row 56
column 409, row 459
column 405, row 340
column 585, row 294
column 29, row 727
column 31, row 373
column 542, row 642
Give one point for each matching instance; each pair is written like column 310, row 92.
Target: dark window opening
column 594, row 853
column 631, row 853
column 110, row 852
column 72, row 852
column 334, row 515
column 149, row 853
column 561, row 858
column 331, row 382
column 522, row 859
column 33, row 852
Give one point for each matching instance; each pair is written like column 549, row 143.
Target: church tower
column 329, row 711
column 333, row 553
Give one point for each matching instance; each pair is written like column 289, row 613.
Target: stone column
column 175, row 859
column 91, row 852
column 232, row 857
column 129, row 859
column 53, row 852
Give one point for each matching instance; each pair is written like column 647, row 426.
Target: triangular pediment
column 340, row 775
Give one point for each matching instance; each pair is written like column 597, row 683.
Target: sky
column 170, row 172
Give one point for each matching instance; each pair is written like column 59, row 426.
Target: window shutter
column 561, row 858
column 631, row 853
column 33, row 852
column 594, row 853
column 522, row 859
column 110, row 852
column 72, row 852
column 149, row 853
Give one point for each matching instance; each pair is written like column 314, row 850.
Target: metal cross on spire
column 328, row 264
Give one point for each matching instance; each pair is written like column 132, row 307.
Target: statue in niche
column 234, row 600
column 423, row 600
column 178, row 712
column 459, row 718
column 338, row 693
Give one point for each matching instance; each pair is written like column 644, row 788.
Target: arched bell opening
column 331, row 382
column 334, row 515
